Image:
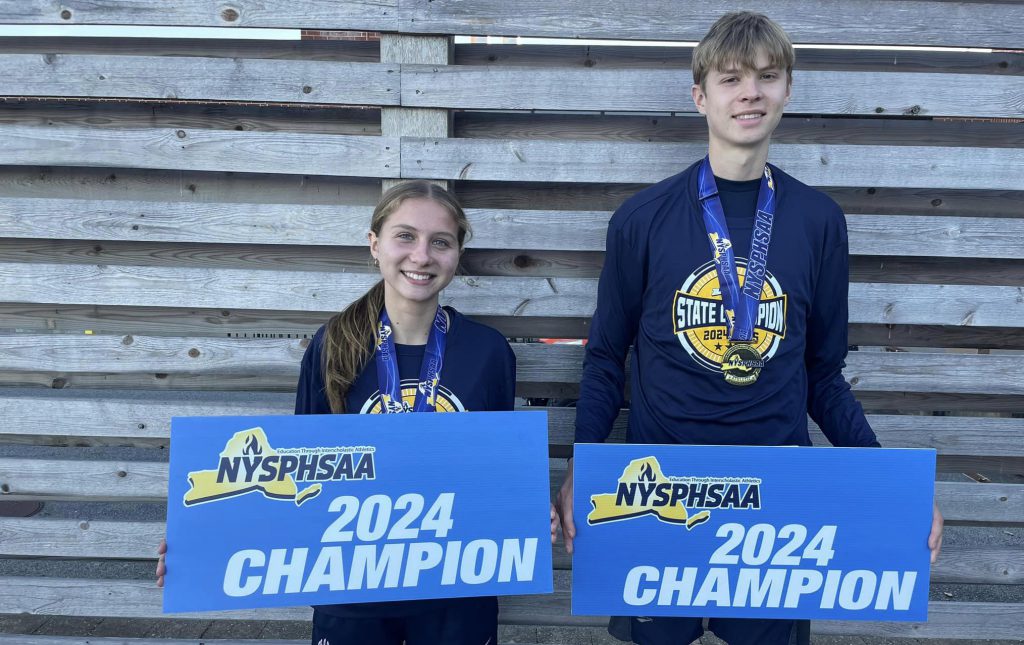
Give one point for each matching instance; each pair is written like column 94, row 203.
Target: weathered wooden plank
column 949, row 436
column 980, row 237
column 142, row 420
column 244, row 323
column 370, row 15
column 607, row 196
column 194, row 186
column 296, row 290
column 66, row 538
column 141, row 481
column 883, row 303
column 979, row 565
column 918, row 22
column 918, row 270
column 660, row 90
column 263, row 152
column 945, row 403
column 112, row 354
column 183, row 221
column 513, row 263
column 908, row 336
column 971, row 503
column 818, row 165
column 193, row 77
column 681, row 128
column 275, row 363
column 145, row 286
column 112, row 598
column 47, row 537
column 866, row 371
column 344, row 225
column 679, row 58
column 969, row 621
column 366, row 51
column 264, row 117
column 492, row 228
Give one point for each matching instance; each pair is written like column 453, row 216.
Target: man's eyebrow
column 736, row 70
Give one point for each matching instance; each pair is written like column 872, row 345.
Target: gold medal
column 741, row 364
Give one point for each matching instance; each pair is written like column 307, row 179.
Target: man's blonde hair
column 736, row 39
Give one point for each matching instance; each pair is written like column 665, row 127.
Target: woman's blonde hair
column 736, row 39
column 349, row 338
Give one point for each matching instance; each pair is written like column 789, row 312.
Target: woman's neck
column 410, row 321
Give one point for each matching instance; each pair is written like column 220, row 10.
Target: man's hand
column 935, row 537
column 563, row 504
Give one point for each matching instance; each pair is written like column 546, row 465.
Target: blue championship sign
column 312, row 510
column 752, row 532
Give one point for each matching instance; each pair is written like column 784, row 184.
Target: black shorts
column 460, row 621
column 735, row 631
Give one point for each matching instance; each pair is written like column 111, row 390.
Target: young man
column 730, row 282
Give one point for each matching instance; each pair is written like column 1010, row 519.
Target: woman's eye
column 442, row 243
column 404, row 236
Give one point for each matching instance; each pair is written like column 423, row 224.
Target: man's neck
column 410, row 321
column 737, row 164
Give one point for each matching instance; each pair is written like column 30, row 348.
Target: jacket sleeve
column 829, row 400
column 613, row 329
column 310, row 397
column 504, row 398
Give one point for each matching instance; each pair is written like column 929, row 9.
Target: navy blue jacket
column 658, row 293
column 478, row 374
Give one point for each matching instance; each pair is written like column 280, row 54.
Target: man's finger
column 935, row 537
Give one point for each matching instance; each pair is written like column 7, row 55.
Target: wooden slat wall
column 894, row 22
column 199, row 207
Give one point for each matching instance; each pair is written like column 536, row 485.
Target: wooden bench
column 178, row 216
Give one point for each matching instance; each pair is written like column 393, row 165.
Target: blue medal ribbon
column 389, row 382
column 740, row 303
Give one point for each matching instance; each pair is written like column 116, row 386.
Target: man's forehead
column 760, row 64
column 759, row 60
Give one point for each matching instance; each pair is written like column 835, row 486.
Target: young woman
column 396, row 350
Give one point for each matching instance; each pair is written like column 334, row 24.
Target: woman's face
column 418, row 250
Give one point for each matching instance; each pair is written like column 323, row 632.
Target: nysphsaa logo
column 643, row 489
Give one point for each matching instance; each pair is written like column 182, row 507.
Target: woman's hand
column 161, row 566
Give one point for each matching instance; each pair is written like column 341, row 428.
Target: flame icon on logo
column 252, row 446
column 646, row 473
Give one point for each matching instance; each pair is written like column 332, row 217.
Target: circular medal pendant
column 741, row 364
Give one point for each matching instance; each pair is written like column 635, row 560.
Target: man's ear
column 697, row 93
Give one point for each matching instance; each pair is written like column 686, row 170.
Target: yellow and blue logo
column 250, row 464
column 701, row 322
column 643, row 489
column 444, row 400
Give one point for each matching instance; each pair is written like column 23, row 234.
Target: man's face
column 743, row 106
